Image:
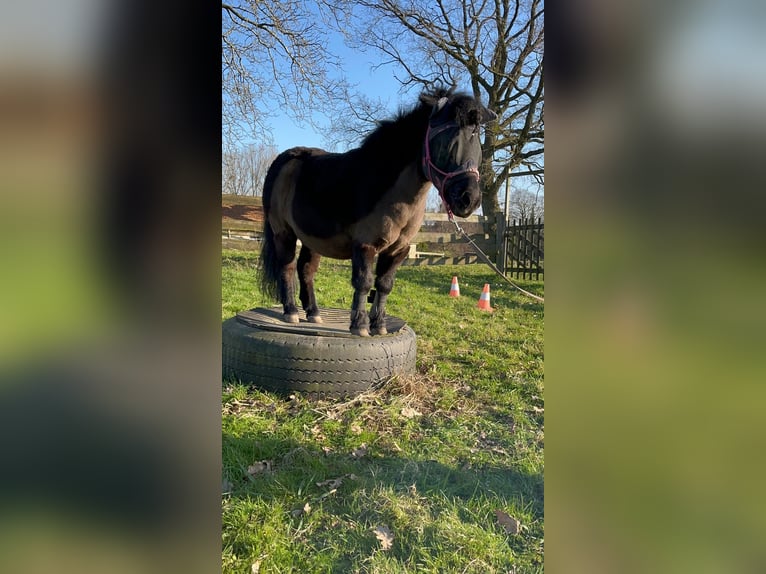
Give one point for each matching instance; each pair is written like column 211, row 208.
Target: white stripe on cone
column 483, row 303
column 454, row 290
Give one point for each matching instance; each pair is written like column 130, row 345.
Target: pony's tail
column 269, row 270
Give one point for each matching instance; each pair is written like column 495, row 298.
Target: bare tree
column 525, row 204
column 360, row 114
column 274, row 55
column 493, row 46
column 244, row 169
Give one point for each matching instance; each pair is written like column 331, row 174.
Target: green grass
column 445, row 448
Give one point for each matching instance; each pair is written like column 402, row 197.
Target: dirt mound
column 243, row 212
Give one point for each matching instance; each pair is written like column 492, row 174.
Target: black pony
column 368, row 201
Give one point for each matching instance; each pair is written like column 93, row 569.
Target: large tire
column 285, row 361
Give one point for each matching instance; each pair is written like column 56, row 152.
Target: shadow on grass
column 296, row 467
column 438, row 278
column 435, row 277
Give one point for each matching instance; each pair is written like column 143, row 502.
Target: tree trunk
column 490, row 184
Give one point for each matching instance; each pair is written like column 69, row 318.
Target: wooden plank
column 445, row 217
column 428, row 254
column 467, row 259
column 437, row 237
column 240, row 225
column 335, row 322
column 240, row 244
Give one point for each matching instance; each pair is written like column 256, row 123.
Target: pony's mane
column 406, row 125
column 409, row 122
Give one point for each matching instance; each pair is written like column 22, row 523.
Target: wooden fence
column 521, row 251
column 518, row 245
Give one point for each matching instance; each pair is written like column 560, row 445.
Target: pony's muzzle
column 464, row 194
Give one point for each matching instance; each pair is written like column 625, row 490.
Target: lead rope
column 487, row 260
column 428, row 168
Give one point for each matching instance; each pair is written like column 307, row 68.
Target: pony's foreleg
column 308, row 263
column 385, row 270
column 361, row 278
column 285, row 251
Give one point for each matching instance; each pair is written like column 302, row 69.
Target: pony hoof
column 292, row 318
column 379, row 330
column 360, row 332
column 315, row 319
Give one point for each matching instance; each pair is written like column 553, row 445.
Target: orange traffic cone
column 454, row 290
column 483, row 303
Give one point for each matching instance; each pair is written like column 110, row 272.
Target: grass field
column 427, row 474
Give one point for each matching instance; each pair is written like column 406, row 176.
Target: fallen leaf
column 298, row 512
column 360, row 452
column 385, row 536
column 409, row 412
column 259, row 467
column 538, row 410
column 356, row 429
column 316, row 431
column 256, row 567
column 327, row 450
column 509, row 523
column 326, row 494
column 332, row 483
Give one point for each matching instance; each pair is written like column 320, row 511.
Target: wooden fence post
column 500, row 240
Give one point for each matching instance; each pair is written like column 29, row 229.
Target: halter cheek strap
column 438, row 176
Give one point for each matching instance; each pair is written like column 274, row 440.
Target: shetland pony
column 368, row 202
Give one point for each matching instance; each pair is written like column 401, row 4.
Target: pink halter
column 429, row 168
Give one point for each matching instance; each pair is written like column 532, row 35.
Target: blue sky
column 372, row 79
column 358, row 69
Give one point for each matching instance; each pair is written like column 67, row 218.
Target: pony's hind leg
column 361, row 279
column 308, row 263
column 385, row 270
column 285, row 243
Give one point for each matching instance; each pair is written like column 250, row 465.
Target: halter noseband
column 433, row 173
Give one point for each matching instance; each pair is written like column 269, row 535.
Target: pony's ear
column 427, row 99
column 487, row 115
column 481, row 116
column 437, row 103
